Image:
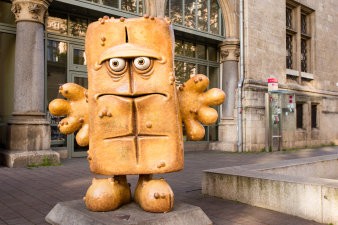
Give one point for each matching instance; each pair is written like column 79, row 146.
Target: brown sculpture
column 131, row 116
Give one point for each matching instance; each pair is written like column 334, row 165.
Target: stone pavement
column 27, row 195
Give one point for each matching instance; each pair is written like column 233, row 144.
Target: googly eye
column 142, row 63
column 117, row 64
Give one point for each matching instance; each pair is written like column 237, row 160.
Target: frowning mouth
column 130, row 96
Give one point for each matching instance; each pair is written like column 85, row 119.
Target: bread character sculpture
column 131, row 115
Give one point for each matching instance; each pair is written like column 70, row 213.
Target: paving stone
column 40, row 189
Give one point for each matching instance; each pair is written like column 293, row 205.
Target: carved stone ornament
column 30, row 10
column 230, row 50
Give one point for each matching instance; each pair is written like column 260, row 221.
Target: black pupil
column 115, row 63
column 141, row 61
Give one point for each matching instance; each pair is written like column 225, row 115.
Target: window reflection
column 190, row 13
column 212, row 53
column 79, row 57
column 57, row 52
column 214, row 20
column 189, row 49
column 201, row 52
column 56, row 75
column 78, row 26
column 179, row 50
column 57, row 23
column 202, row 15
column 6, row 15
column 129, row 5
column 176, row 11
column 112, row 3
column 183, row 71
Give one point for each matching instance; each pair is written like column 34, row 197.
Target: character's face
column 134, row 121
column 130, row 57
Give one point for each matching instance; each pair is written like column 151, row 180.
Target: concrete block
column 305, row 187
column 75, row 213
column 12, row 158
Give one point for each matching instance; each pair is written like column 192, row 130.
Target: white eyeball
column 117, row 64
column 142, row 63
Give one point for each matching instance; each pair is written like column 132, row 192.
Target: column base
column 28, row 141
column 227, row 136
column 28, row 132
column 12, row 158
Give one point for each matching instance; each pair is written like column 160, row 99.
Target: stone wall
column 264, row 42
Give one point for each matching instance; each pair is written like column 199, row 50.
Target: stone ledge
column 13, row 158
column 305, row 187
column 75, row 213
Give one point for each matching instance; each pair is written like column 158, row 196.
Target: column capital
column 229, row 50
column 30, row 10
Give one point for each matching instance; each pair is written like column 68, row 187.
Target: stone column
column 28, row 135
column 229, row 59
column 227, row 135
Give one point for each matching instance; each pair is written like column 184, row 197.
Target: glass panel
column 179, row 72
column 189, row 49
column 202, row 69
column 79, row 57
column 213, row 77
column 304, row 55
column 176, row 11
column 202, row 15
column 190, row 13
column 303, row 24
column 129, row 5
column 6, row 15
column 212, row 53
column 190, row 69
column 78, row 26
column 179, row 49
column 112, row 3
column 214, row 17
column 140, row 7
column 56, row 75
column 201, row 51
column 213, row 133
column 289, row 51
column 57, row 52
column 83, row 81
column 7, row 61
column 57, row 23
column 289, row 18
column 183, row 71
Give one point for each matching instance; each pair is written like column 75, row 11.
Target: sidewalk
column 27, row 195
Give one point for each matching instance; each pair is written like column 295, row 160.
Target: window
column 201, row 15
column 298, row 42
column 299, row 115
column 133, row 6
column 194, row 58
column 314, row 123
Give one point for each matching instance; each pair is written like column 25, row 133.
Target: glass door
column 77, row 73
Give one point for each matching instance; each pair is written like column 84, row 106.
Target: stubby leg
column 107, row 194
column 154, row 195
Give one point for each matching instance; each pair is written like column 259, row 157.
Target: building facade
column 42, row 46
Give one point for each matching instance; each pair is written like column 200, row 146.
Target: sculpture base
column 76, row 213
